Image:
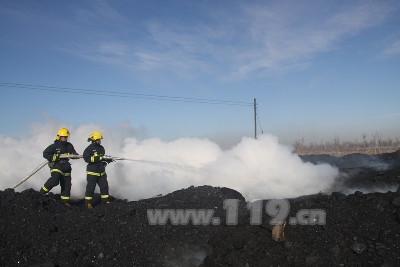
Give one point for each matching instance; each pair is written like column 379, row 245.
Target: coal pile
column 359, row 230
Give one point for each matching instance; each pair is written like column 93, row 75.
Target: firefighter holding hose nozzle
column 96, row 169
column 60, row 168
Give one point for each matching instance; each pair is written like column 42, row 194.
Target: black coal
column 360, row 230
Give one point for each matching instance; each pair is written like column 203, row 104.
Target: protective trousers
column 91, row 185
column 64, row 181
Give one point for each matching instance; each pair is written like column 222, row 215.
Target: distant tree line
column 375, row 144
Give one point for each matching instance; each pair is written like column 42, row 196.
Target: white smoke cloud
column 258, row 169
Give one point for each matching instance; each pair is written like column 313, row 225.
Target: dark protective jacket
column 59, row 148
column 93, row 155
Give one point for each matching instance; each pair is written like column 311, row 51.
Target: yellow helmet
column 95, row 135
column 62, row 132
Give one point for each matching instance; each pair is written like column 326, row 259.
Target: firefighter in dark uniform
column 60, row 168
column 96, row 169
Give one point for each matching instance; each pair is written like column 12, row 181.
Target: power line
column 259, row 123
column 123, row 94
column 262, row 113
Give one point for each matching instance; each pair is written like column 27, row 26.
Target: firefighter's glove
column 108, row 159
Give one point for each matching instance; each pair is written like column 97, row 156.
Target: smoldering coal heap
column 361, row 229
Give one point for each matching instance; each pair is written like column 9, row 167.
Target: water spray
column 162, row 164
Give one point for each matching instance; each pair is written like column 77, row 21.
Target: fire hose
column 157, row 163
column 61, row 157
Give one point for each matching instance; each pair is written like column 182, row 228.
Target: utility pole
column 255, row 119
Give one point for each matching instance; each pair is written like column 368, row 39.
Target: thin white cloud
column 392, row 50
column 263, row 38
column 100, row 13
column 238, row 41
column 284, row 36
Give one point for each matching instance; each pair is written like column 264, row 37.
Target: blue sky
column 317, row 68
